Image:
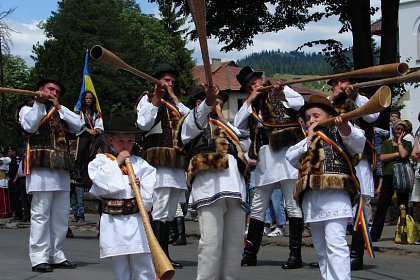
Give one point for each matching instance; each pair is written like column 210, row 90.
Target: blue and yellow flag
column 87, row 85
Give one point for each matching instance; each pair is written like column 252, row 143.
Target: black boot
column 173, row 231
column 181, row 240
column 357, row 249
column 253, row 242
column 295, row 243
column 161, row 231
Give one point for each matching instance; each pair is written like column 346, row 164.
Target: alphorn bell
column 379, row 71
column 105, row 56
column 377, row 103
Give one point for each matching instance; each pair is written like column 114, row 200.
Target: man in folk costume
column 216, row 176
column 271, row 118
column 158, row 116
column 48, row 163
column 345, row 99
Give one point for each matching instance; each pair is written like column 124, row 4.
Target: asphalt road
column 83, row 250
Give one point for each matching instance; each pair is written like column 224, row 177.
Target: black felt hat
column 51, row 79
column 223, row 95
column 245, row 75
column 122, row 123
column 318, row 101
column 197, row 93
column 163, row 68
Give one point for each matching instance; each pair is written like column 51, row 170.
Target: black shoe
column 253, row 242
column 314, row 265
column 248, row 260
column 64, row 265
column 176, row 265
column 295, row 243
column 357, row 250
column 292, row 263
column 69, row 233
column 42, row 267
column 356, row 264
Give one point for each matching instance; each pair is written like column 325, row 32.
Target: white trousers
column 165, row 202
column 221, row 243
column 329, row 238
column 262, row 196
column 133, row 267
column 49, row 224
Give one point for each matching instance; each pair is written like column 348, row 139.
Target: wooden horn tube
column 379, row 71
column 377, row 103
column 198, row 12
column 408, row 78
column 163, row 266
column 19, row 91
column 105, row 56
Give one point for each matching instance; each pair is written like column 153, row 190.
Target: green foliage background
column 140, row 40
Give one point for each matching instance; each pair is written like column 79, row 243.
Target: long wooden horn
column 379, row 71
column 163, row 266
column 198, row 12
column 19, row 91
column 377, row 103
column 408, row 78
column 105, row 56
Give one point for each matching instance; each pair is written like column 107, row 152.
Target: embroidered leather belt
column 119, row 206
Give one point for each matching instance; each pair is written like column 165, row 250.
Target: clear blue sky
column 36, row 10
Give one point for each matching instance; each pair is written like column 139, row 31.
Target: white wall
column 409, row 45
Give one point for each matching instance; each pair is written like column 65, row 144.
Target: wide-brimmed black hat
column 197, row 93
column 223, row 95
column 163, row 68
column 51, row 79
column 339, row 70
column 318, row 101
column 245, row 75
column 122, row 123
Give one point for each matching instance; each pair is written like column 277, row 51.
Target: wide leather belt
column 119, row 206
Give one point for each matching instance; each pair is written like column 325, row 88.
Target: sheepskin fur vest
column 49, row 145
column 344, row 105
column 322, row 167
column 161, row 149
column 272, row 110
column 209, row 152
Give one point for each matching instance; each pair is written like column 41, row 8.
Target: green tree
column 15, row 75
column 118, row 25
column 173, row 21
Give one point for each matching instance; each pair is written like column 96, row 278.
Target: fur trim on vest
column 313, row 176
column 272, row 110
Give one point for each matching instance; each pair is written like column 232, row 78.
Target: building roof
column 224, row 76
column 376, row 27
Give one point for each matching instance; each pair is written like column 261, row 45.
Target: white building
column 409, row 47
